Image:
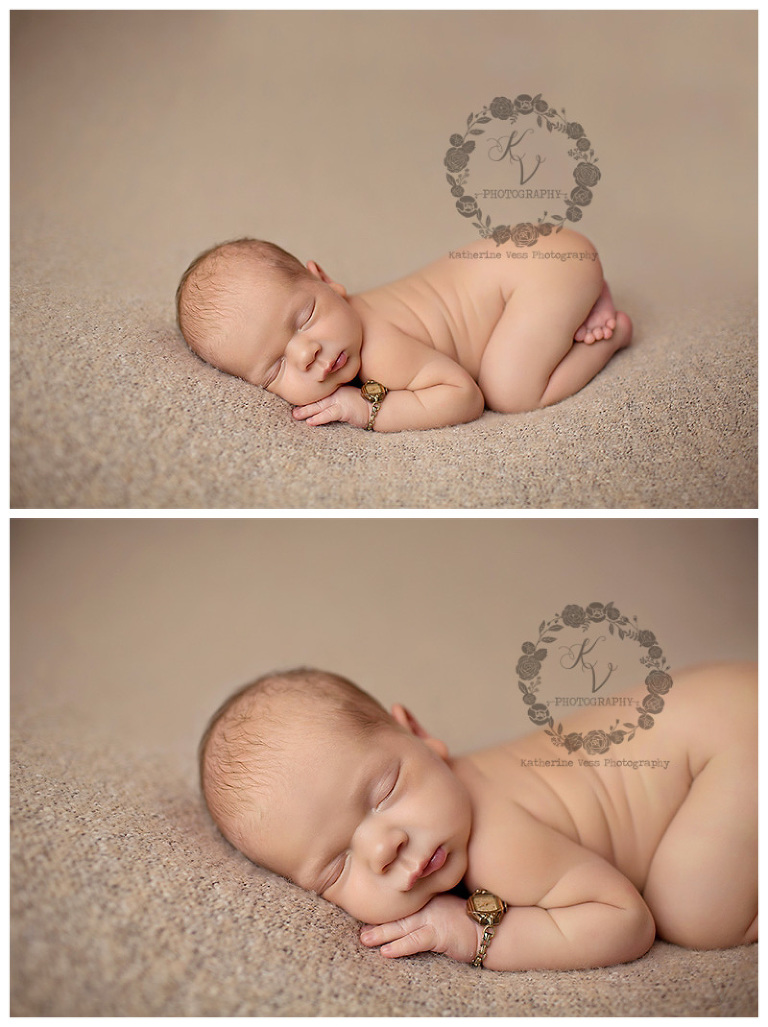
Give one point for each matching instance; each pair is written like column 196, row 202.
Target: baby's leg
column 582, row 362
column 702, row 884
column 531, row 359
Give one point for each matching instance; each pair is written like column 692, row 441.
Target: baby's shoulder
column 513, row 848
column 520, row 783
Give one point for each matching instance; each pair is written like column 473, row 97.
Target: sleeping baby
column 568, row 866
column 479, row 327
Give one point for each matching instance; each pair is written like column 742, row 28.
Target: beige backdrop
column 133, row 631
column 140, row 138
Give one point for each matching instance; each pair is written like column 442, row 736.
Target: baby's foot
column 600, row 321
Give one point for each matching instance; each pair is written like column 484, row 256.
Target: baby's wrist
column 475, row 939
column 363, row 411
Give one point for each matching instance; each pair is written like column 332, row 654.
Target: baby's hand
column 345, row 404
column 441, row 926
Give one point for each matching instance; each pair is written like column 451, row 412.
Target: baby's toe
column 580, row 334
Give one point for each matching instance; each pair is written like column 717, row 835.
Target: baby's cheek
column 380, row 907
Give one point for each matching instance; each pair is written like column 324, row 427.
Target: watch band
column 486, row 941
column 374, row 411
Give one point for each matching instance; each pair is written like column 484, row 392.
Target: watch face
column 486, row 903
column 374, row 391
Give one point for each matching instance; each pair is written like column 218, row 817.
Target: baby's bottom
column 531, row 359
column 702, row 883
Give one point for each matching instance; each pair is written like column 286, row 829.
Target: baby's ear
column 314, row 269
column 406, row 719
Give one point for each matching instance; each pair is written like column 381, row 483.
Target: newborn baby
column 313, row 779
column 479, row 327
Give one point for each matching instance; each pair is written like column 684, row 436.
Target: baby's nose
column 307, row 352
column 386, row 846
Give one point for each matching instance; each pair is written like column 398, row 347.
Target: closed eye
column 310, row 316
column 336, row 871
column 273, row 373
column 389, row 786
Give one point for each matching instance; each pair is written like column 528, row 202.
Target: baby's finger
column 325, row 416
column 378, row 934
column 300, row 413
column 419, row 940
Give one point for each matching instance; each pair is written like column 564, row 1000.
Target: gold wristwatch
column 487, row 910
column 374, row 392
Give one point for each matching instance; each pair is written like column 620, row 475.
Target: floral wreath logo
column 657, row 682
column 586, row 174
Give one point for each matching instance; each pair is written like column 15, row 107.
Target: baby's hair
column 238, row 747
column 205, row 289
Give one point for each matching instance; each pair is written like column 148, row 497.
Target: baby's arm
column 426, row 390
column 591, row 915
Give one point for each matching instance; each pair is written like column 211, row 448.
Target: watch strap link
column 372, row 417
column 488, row 933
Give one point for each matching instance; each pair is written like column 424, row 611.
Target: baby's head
column 254, row 310
column 310, row 777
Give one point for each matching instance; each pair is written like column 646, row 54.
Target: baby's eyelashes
column 390, row 784
column 272, row 374
column 336, row 871
column 305, row 318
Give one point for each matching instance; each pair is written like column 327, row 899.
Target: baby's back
column 618, row 801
